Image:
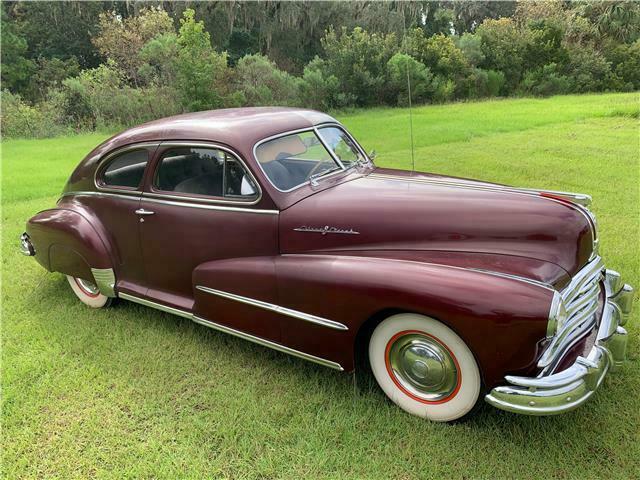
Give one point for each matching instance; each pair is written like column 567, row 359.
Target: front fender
column 501, row 318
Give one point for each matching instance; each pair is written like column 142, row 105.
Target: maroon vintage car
column 273, row 224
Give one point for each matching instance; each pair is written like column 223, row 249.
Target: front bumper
column 550, row 394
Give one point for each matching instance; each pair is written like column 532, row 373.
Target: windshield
column 343, row 147
column 292, row 160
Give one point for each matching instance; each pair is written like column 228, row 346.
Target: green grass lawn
column 130, row 392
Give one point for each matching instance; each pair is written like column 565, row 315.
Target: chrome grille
column 580, row 298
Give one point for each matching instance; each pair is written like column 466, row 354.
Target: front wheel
column 88, row 293
column 424, row 367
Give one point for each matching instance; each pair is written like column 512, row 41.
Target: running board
column 232, row 331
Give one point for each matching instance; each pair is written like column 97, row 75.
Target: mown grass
column 132, row 392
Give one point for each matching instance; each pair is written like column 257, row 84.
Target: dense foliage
column 87, row 65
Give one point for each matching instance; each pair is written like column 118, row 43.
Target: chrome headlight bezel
column 557, row 315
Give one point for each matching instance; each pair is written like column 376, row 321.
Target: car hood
column 394, row 211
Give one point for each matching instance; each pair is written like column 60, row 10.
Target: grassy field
column 130, row 392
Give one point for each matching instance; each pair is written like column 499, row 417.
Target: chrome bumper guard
column 26, row 247
column 568, row 389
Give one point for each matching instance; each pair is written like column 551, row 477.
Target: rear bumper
column 568, row 389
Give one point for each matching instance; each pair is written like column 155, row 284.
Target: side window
column 125, row 170
column 203, row 171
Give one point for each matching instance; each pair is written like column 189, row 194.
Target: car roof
column 239, row 128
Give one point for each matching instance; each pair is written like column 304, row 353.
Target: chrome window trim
column 81, row 193
column 314, row 129
column 154, row 193
column 268, row 343
column 232, row 331
column 289, row 312
column 109, row 156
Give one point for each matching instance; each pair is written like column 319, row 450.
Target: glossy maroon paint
column 458, row 250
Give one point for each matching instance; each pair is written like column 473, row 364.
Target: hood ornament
column 326, row 229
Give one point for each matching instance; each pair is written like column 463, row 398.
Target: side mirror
column 372, row 155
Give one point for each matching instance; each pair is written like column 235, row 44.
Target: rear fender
column 66, row 242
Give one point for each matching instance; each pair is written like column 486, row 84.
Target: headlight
column 557, row 315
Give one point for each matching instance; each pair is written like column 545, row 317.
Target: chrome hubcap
column 423, row 366
column 87, row 286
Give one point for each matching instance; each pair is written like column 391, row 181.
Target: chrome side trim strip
column 147, row 198
column 158, row 306
column 129, row 195
column 171, row 202
column 105, row 281
column 268, row 343
column 232, row 331
column 307, row 317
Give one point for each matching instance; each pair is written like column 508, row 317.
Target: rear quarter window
column 125, row 170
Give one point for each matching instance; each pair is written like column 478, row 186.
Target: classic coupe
column 274, row 225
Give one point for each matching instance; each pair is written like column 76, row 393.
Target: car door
column 119, row 180
column 200, row 207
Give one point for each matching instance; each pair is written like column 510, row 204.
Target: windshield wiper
column 313, row 179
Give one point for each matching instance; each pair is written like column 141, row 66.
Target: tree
column 504, row 47
column 16, row 67
column 122, row 39
column 200, row 69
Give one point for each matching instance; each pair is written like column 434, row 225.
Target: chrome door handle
column 142, row 211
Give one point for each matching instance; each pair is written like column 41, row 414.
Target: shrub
column 588, row 70
column 318, row 89
column 262, row 83
column 495, row 82
column 401, row 66
column 625, row 63
column 444, row 89
column 359, row 60
column 21, row 120
column 546, row 81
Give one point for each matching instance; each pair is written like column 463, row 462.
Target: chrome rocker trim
column 267, row 343
column 289, row 312
column 568, row 389
column 232, row 331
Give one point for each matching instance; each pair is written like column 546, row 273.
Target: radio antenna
column 413, row 160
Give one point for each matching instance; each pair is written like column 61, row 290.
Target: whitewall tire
column 88, row 293
column 424, row 367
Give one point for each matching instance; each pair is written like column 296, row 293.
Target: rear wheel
column 88, row 293
column 424, row 367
